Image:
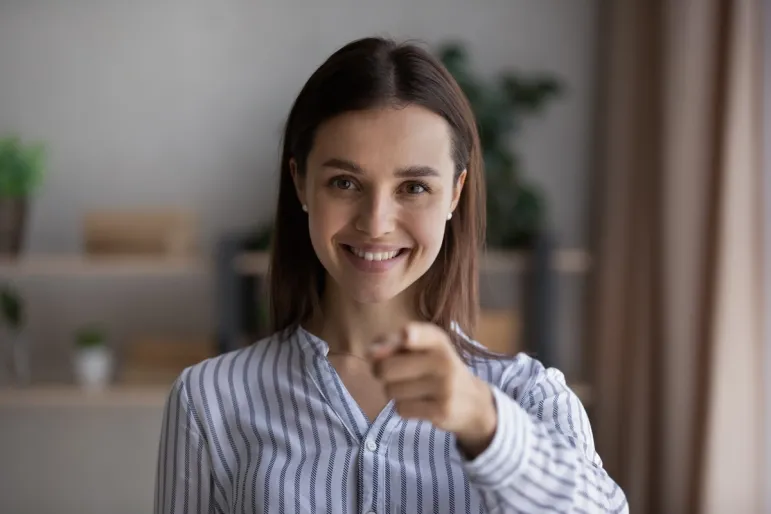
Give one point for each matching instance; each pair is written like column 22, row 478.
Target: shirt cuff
column 507, row 454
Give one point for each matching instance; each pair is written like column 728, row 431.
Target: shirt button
column 371, row 446
column 371, row 512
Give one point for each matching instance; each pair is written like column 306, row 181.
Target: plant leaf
column 22, row 166
column 515, row 208
column 12, row 308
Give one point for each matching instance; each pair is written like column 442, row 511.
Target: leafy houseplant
column 516, row 211
column 22, row 167
column 93, row 358
column 12, row 310
column 90, row 337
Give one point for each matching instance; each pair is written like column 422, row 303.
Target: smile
column 374, row 261
column 373, row 256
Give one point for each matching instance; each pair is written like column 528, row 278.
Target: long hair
column 365, row 74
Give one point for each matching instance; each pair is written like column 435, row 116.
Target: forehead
column 380, row 140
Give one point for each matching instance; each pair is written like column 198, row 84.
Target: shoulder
column 527, row 381
column 225, row 376
column 518, row 375
column 503, row 369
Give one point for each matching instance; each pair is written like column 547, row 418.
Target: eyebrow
column 408, row 172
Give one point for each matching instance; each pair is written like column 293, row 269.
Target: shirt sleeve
column 542, row 456
column 183, row 480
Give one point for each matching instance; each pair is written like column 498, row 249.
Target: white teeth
column 370, row 256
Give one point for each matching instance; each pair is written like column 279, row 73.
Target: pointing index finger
column 414, row 337
column 387, row 345
column 423, row 336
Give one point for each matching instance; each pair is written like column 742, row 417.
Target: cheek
column 327, row 218
column 428, row 231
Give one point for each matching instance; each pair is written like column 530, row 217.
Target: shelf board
column 128, row 396
column 61, row 395
column 252, row 263
column 74, row 264
column 568, row 261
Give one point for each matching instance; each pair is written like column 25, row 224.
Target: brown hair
column 365, row 74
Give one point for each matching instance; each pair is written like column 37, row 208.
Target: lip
column 374, row 266
column 374, row 248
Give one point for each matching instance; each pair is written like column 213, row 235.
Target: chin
column 366, row 294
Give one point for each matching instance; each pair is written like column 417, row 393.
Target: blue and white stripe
column 272, row 428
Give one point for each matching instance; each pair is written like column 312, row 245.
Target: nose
column 377, row 215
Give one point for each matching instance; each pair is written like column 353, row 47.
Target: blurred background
column 629, row 204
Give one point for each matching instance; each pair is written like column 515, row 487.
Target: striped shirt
column 272, row 428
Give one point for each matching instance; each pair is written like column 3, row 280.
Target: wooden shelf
column 127, row 396
column 252, row 263
column 569, row 261
column 73, row 264
column 61, row 395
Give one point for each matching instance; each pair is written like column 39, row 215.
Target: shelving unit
column 71, row 265
column 49, row 265
column 245, row 264
column 67, row 395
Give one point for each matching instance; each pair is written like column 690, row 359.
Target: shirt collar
column 311, row 343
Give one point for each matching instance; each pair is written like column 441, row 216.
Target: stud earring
column 449, row 217
column 305, row 208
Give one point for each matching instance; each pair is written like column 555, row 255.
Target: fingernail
column 377, row 346
column 384, row 342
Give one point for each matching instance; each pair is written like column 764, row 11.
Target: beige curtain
column 674, row 313
column 734, row 445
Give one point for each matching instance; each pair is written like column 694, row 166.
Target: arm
column 183, row 481
column 542, row 457
column 535, row 455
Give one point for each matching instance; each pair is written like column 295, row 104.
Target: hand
column 422, row 372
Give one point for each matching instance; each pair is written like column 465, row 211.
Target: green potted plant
column 93, row 359
column 12, row 311
column 22, row 167
column 516, row 208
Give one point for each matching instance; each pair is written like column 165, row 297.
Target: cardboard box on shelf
column 159, row 360
column 146, row 232
column 500, row 331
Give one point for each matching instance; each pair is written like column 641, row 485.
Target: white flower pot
column 93, row 367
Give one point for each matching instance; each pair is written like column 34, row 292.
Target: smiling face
column 379, row 186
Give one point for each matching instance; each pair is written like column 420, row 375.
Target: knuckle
column 441, row 412
column 444, row 360
column 385, row 369
column 446, row 390
column 392, row 390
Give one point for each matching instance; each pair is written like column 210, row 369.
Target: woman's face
column 379, row 187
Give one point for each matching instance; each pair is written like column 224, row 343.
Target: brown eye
column 416, row 188
column 342, row 183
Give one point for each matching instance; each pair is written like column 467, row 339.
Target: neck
column 351, row 327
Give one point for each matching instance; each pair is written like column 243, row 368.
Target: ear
column 299, row 181
column 457, row 190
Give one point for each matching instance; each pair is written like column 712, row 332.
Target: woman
column 370, row 397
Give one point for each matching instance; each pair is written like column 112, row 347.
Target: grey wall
column 766, row 204
column 82, row 460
